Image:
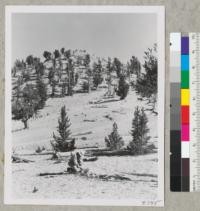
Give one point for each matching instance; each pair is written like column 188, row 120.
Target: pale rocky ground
column 142, row 170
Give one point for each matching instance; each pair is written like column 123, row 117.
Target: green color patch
column 185, row 79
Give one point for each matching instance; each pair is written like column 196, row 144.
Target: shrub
column 39, row 149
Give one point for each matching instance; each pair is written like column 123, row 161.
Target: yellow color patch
column 185, row 97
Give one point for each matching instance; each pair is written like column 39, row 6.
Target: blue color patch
column 185, row 62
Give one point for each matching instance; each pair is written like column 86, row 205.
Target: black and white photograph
column 84, row 107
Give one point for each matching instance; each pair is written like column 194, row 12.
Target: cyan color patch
column 184, row 62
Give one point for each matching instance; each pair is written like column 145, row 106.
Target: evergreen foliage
column 85, row 86
column 42, row 92
column 26, row 106
column 47, row 55
column 117, row 67
column 63, row 142
column 39, row 69
column 139, row 131
column 146, row 84
column 135, row 66
column 97, row 70
column 29, row 60
column 114, row 141
column 123, row 88
column 71, row 82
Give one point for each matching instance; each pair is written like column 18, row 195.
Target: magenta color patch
column 185, row 132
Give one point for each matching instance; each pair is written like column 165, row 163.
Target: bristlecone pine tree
column 139, row 132
column 114, row 141
column 63, row 142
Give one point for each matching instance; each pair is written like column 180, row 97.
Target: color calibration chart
column 185, row 112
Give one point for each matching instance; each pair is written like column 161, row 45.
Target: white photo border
column 160, row 12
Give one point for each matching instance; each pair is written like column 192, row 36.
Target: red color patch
column 185, row 115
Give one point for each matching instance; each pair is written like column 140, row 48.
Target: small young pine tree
column 64, row 124
column 123, row 88
column 134, row 145
column 114, row 140
column 63, row 142
column 139, row 131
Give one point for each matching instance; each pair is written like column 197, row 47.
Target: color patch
column 184, row 45
column 184, row 62
column 185, row 149
column 185, row 97
column 185, row 115
column 185, row 166
column 185, row 79
column 185, row 132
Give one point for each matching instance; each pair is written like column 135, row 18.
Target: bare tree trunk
column 25, row 121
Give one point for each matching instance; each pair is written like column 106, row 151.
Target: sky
column 105, row 35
